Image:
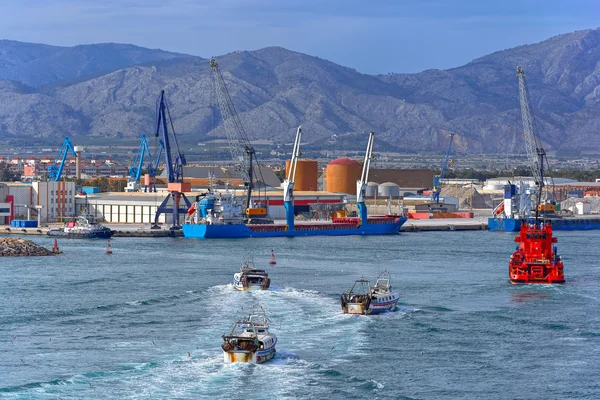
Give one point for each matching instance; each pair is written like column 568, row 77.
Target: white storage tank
column 388, row 189
column 372, row 189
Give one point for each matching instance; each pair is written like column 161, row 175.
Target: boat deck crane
column 361, row 185
column 437, row 180
column 288, row 183
column 55, row 170
column 174, row 168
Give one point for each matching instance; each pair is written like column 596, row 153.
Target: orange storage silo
column 307, row 175
column 342, row 174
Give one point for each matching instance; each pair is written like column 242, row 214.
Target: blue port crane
column 135, row 171
column 55, row 170
column 174, row 166
column 437, row 179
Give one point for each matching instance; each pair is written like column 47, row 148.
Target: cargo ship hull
column 558, row 224
column 230, row 231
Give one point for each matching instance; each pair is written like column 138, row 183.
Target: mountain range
column 110, row 90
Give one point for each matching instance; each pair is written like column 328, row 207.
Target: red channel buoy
column 272, row 260
column 55, row 248
column 108, row 248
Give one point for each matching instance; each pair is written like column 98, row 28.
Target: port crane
column 135, row 171
column 361, row 185
column 55, row 170
column 288, row 183
column 533, row 145
column 241, row 149
column 437, row 179
column 174, row 167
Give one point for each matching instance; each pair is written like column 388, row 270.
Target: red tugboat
column 535, row 260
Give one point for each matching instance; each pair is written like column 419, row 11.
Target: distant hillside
column 39, row 64
column 275, row 90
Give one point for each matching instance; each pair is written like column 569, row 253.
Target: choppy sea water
column 90, row 325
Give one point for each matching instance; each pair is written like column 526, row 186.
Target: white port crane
column 241, row 149
column 535, row 151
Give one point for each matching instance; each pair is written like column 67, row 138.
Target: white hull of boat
column 257, row 357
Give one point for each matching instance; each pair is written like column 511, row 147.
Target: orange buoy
column 272, row 260
column 108, row 248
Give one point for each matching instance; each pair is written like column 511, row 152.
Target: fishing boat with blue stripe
column 366, row 300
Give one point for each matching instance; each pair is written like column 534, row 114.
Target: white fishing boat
column 249, row 340
column 251, row 278
column 364, row 299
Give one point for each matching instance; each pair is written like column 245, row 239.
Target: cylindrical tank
column 307, row 175
column 78, row 150
column 342, row 174
column 388, row 189
column 372, row 189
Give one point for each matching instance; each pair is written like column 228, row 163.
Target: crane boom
column 533, row 145
column 288, row 183
column 437, row 180
column 135, row 171
column 174, row 169
column 361, row 185
column 55, row 171
column 241, row 149
column 239, row 144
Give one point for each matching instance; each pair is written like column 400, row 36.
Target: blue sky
column 372, row 36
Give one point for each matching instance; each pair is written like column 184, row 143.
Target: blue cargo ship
column 219, row 215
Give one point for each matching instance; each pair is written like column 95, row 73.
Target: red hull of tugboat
column 535, row 260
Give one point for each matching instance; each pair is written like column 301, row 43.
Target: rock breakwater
column 10, row 247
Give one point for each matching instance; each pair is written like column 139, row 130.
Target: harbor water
column 146, row 321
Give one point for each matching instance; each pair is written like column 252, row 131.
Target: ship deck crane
column 535, row 152
column 242, row 151
column 174, row 168
column 55, row 171
column 437, row 180
column 288, row 183
column 361, row 185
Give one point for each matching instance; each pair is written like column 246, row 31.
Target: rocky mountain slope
column 275, row 90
